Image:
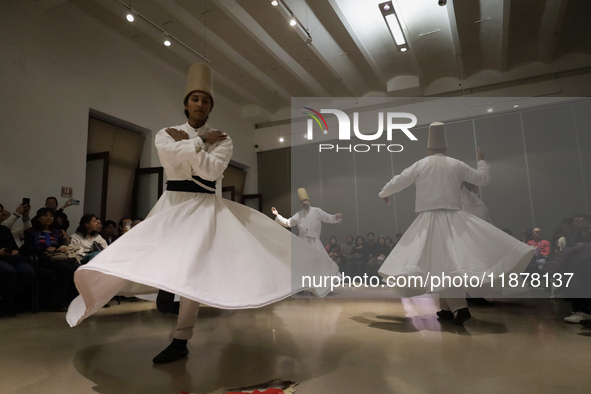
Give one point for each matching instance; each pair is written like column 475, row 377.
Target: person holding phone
column 22, row 211
column 60, row 217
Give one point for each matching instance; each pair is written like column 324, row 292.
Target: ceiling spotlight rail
column 293, row 21
column 168, row 38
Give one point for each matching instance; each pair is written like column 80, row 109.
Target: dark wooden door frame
column 140, row 171
column 105, row 156
column 258, row 197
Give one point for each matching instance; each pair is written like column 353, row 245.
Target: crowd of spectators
column 358, row 256
column 39, row 258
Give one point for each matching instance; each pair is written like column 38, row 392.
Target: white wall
column 57, row 64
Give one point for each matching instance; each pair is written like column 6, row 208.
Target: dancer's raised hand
column 480, row 154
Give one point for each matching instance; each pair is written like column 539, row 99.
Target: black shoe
column 445, row 315
column 172, row 353
column 164, row 301
column 462, row 316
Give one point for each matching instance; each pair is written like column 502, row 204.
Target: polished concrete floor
column 329, row 345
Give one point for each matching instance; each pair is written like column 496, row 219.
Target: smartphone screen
column 26, row 201
column 75, row 202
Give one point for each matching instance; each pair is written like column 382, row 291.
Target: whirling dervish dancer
column 443, row 239
column 194, row 243
column 309, row 220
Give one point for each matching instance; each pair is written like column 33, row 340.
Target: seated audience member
column 19, row 233
column 390, row 243
column 357, row 259
column 109, row 230
column 381, row 252
column 542, row 246
column 60, row 217
column 48, row 242
column 526, row 235
column 334, row 250
column 87, row 241
column 135, row 222
column 16, row 274
column 371, row 245
column 348, row 245
column 580, row 221
column 564, row 235
column 125, row 225
column 576, row 260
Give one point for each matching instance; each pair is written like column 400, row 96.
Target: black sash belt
column 190, row 186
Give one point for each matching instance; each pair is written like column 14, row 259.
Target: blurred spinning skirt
column 204, row 248
column 454, row 243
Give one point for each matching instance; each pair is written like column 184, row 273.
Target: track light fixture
column 393, row 23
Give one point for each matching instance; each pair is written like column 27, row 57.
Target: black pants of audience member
column 62, row 288
column 354, row 266
column 16, row 279
column 582, row 305
column 373, row 266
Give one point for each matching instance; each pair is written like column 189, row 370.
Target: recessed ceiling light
column 274, row 3
column 281, row 139
column 490, row 110
column 130, row 17
column 292, row 21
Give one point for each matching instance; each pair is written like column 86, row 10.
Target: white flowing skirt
column 204, row 248
column 315, row 243
column 454, row 243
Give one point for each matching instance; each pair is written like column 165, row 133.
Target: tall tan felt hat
column 302, row 194
column 436, row 136
column 200, row 78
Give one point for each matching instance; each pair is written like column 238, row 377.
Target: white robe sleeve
column 211, row 165
column 10, row 221
column 400, row 182
column 293, row 221
column 174, row 153
column 480, row 176
column 326, row 218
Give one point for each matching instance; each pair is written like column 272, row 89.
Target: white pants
column 452, row 299
column 185, row 323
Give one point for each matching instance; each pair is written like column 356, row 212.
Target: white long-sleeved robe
column 471, row 203
column 309, row 224
column 438, row 179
